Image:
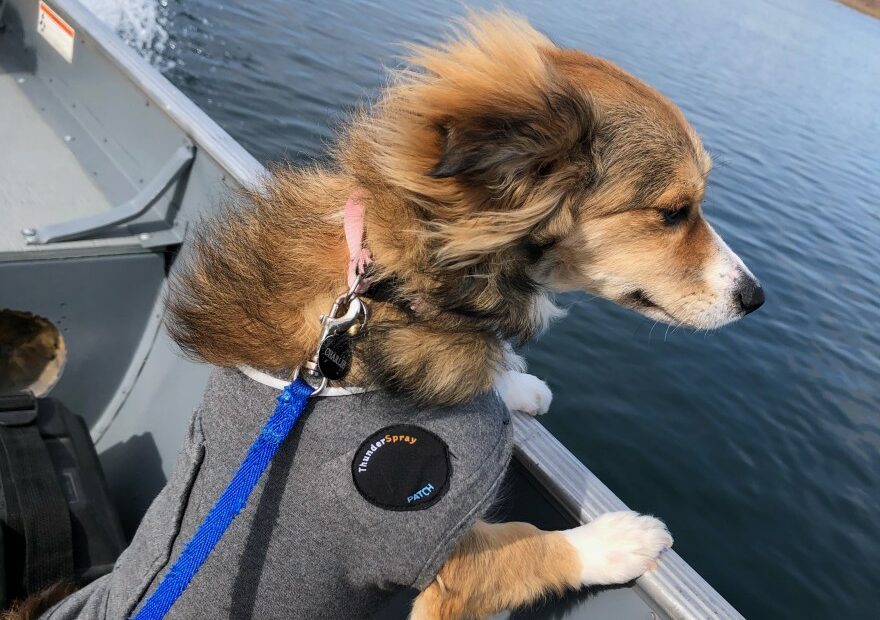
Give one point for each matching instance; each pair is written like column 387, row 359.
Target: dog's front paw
column 618, row 546
column 524, row 392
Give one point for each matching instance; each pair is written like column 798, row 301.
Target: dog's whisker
column 650, row 333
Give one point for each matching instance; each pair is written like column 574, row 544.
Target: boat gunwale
column 192, row 120
column 675, row 587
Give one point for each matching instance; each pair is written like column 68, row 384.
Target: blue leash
column 291, row 403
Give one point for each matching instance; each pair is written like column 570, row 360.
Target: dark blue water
column 759, row 444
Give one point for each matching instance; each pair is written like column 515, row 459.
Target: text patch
column 402, row 467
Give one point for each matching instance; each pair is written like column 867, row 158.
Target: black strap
column 387, row 290
column 383, row 290
column 37, row 516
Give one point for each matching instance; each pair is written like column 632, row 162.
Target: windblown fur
column 479, row 165
column 34, row 606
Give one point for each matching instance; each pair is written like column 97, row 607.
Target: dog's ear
column 487, row 137
column 518, row 171
column 483, row 149
column 502, row 148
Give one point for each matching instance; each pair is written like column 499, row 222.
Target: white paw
column 618, row 546
column 523, row 392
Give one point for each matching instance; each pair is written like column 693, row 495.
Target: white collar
column 279, row 384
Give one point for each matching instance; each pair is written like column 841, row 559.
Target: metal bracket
column 164, row 237
column 134, row 208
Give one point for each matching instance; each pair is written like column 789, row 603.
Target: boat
column 104, row 166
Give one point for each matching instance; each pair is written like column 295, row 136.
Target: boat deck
column 69, row 153
column 40, row 177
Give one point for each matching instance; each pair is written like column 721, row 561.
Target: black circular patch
column 402, row 467
column 334, row 356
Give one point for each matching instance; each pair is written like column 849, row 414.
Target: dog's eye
column 536, row 249
column 676, row 216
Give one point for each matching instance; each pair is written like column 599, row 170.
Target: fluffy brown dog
column 498, row 170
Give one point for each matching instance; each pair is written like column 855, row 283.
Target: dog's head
column 539, row 164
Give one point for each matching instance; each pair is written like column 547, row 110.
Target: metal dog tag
column 334, row 356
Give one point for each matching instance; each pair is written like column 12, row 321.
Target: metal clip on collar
column 355, row 317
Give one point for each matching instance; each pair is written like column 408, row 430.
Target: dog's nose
column 749, row 294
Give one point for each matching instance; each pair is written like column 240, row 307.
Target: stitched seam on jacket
column 480, row 505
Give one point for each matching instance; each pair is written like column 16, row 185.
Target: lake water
column 759, row 444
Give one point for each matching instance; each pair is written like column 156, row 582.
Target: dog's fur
column 32, row 353
column 34, row 606
column 497, row 170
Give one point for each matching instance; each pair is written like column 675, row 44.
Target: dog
column 496, row 171
column 32, row 353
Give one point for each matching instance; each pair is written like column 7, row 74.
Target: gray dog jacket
column 367, row 496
